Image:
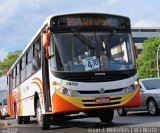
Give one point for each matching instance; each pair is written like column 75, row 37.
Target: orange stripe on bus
column 40, row 90
column 135, row 101
column 61, row 105
column 38, row 86
column 15, row 98
column 15, row 94
column 38, row 80
column 37, row 83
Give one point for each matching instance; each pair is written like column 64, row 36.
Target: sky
column 3, row 83
column 20, row 19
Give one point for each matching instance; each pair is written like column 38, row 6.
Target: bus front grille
column 97, row 92
column 99, row 78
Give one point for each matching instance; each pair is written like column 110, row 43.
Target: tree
column 147, row 62
column 8, row 61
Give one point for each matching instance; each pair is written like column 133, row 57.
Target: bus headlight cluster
column 129, row 89
column 64, row 91
column 67, row 92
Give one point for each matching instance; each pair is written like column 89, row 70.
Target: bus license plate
column 103, row 100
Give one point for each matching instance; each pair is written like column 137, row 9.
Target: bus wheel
column 18, row 118
column 121, row 112
column 42, row 119
column 3, row 117
column 26, row 119
column 106, row 115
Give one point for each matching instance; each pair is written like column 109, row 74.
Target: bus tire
column 3, row 117
column 19, row 119
column 42, row 119
column 106, row 115
column 26, row 119
column 15, row 110
column 121, row 112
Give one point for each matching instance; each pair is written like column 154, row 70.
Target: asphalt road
column 132, row 123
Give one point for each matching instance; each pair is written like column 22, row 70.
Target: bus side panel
column 26, row 93
column 10, row 112
column 9, row 95
column 32, row 85
column 11, row 101
column 27, row 106
column 15, row 104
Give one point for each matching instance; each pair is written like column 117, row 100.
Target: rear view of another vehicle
column 3, row 109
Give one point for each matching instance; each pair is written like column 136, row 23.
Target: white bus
column 75, row 63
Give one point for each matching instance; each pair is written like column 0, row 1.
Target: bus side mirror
column 136, row 51
column 0, row 104
column 45, row 41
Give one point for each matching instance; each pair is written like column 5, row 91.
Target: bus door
column 45, row 71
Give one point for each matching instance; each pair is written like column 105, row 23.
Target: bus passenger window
column 23, row 65
column 37, row 56
column 29, row 63
column 14, row 76
column 17, row 74
column 10, row 81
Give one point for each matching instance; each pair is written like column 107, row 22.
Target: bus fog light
column 129, row 89
column 64, row 91
column 126, row 90
column 132, row 87
column 72, row 93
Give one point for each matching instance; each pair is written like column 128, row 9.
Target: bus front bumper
column 62, row 103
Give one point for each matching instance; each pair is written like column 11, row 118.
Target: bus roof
column 47, row 21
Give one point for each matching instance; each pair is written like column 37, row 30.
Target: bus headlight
column 126, row 90
column 64, row 91
column 129, row 89
column 67, row 92
column 72, row 93
column 132, row 87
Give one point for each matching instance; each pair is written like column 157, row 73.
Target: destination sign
column 88, row 21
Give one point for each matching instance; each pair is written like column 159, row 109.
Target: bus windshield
column 92, row 51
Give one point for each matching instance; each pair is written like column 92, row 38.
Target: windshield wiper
column 106, row 42
column 83, row 39
column 108, row 38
